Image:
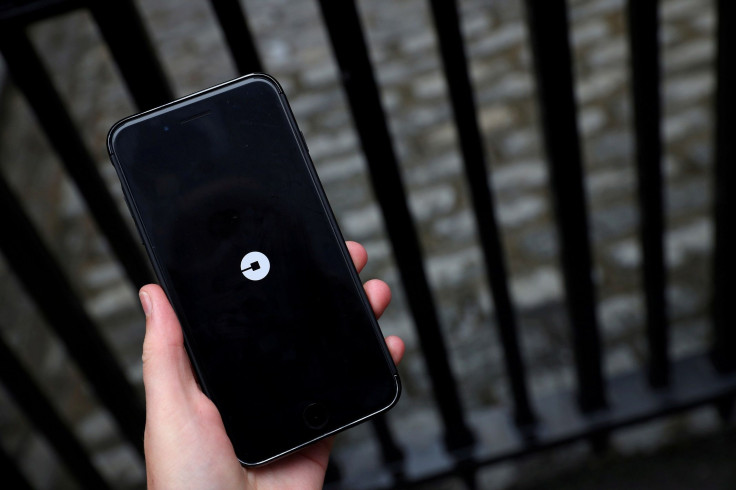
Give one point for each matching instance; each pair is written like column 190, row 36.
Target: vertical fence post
column 724, row 258
column 644, row 50
column 12, row 477
column 231, row 16
column 124, row 32
column 28, row 73
column 548, row 28
column 455, row 65
column 45, row 282
column 39, row 410
column 346, row 36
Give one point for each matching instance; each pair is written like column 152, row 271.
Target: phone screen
column 282, row 337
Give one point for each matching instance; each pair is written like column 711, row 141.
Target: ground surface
column 705, row 463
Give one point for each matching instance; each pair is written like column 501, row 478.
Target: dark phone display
column 291, row 356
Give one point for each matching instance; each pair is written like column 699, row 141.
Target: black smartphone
column 237, row 226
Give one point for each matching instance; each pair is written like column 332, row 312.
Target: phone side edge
column 336, row 229
column 143, row 234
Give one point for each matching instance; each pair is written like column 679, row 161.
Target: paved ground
column 705, row 463
column 403, row 47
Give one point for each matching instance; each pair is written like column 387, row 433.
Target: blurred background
column 690, row 449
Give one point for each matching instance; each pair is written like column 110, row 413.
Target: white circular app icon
column 255, row 266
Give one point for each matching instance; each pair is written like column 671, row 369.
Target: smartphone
column 280, row 333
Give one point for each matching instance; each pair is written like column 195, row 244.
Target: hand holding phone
column 185, row 441
column 278, row 329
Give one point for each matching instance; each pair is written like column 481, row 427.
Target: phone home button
column 315, row 415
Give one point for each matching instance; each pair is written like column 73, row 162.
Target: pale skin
column 185, row 442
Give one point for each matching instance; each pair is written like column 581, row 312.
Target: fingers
column 167, row 374
column 379, row 295
column 358, row 254
column 377, row 291
column 396, row 347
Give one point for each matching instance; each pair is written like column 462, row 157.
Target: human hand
column 185, row 441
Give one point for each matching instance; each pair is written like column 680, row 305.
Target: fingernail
column 145, row 302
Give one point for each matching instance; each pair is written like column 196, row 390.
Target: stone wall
column 403, row 47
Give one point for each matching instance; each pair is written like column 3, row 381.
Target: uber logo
column 255, row 266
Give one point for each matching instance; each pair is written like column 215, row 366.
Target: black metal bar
column 390, row 451
column 40, row 411
column 724, row 258
column 454, row 62
column 12, row 477
column 45, row 282
column 123, row 30
column 23, row 13
column 548, row 28
column 724, row 407
column 232, row 19
column 645, row 83
column 469, row 478
column 332, row 473
column 29, row 75
column 694, row 383
column 348, row 44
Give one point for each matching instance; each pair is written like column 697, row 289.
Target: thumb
column 167, row 373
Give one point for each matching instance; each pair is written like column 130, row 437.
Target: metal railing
column 601, row 405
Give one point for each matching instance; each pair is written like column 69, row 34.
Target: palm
column 212, row 458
